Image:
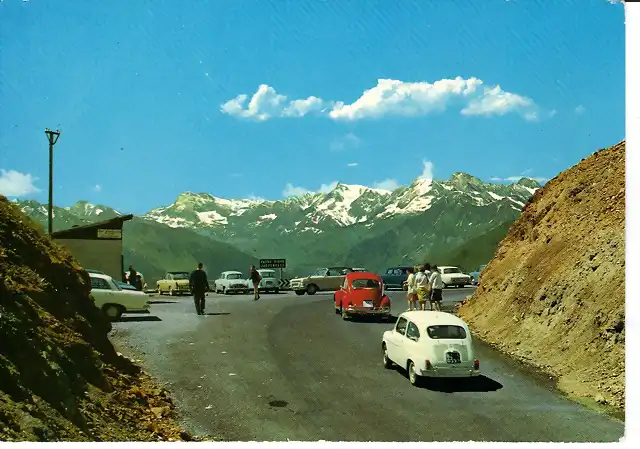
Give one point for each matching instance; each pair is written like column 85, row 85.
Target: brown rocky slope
column 554, row 294
column 60, row 377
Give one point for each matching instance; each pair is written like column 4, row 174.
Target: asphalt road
column 288, row 368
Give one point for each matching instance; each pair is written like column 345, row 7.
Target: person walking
column 436, row 288
column 132, row 276
column 255, row 279
column 199, row 286
column 412, row 291
column 423, row 286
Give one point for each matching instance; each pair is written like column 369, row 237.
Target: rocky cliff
column 554, row 294
column 60, row 377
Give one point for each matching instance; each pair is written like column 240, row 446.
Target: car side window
column 401, row 326
column 413, row 333
column 99, row 284
column 389, row 270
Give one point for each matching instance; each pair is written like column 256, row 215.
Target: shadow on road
column 163, row 302
column 479, row 384
column 129, row 319
column 217, row 313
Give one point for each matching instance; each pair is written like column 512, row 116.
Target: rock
column 600, row 399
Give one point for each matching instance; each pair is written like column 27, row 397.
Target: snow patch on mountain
column 212, row 217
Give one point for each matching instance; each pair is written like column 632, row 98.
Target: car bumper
column 366, row 311
column 446, row 372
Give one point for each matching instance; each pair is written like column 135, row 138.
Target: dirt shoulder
column 60, row 377
column 554, row 294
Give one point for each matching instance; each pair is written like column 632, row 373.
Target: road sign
column 273, row 263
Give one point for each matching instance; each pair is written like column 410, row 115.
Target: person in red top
column 255, row 279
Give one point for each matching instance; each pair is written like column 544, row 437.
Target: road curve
column 288, row 368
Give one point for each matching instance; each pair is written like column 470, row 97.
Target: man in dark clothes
column 199, row 285
column 255, row 280
column 132, row 275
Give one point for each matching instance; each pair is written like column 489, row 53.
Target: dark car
column 396, row 277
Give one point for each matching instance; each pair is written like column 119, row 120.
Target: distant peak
column 529, row 182
column 460, row 176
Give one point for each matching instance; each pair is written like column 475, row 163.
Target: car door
column 411, row 345
column 101, row 291
column 335, row 279
column 394, row 349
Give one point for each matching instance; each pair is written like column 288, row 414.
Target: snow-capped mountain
column 351, row 224
column 344, row 206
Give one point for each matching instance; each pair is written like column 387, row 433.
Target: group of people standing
column 424, row 284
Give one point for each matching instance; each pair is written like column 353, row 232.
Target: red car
column 362, row 295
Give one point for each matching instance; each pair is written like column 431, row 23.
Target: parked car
column 231, row 282
column 363, row 270
column 269, row 282
column 453, row 277
column 321, row 280
column 113, row 300
column 475, row 275
column 430, row 344
column 396, row 277
column 362, row 294
column 174, row 283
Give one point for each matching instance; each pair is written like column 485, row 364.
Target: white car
column 269, row 282
column 452, row 276
column 231, row 282
column 113, row 300
column 430, row 344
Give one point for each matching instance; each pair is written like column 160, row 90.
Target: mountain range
column 349, row 225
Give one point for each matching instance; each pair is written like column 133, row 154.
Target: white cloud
column 392, row 98
column 387, row 184
column 427, row 170
column 352, row 164
column 580, row 110
column 97, row 188
column 345, row 142
column 267, row 103
column 291, row 190
column 16, row 184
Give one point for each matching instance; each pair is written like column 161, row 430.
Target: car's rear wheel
column 414, row 379
column 312, row 289
column 300, row 292
column 113, row 312
column 276, row 291
column 385, row 357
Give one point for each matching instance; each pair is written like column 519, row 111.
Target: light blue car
column 475, row 275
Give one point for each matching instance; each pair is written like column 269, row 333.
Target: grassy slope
column 153, row 249
column 60, row 377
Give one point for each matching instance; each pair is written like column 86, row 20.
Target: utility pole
column 53, row 138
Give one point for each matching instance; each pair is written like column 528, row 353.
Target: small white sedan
column 453, row 277
column 430, row 344
column 231, row 282
column 113, row 300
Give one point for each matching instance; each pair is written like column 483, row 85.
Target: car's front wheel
column 300, row 292
column 159, row 290
column 385, row 357
column 113, row 312
column 413, row 376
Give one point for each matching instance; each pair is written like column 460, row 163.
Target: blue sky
column 153, row 98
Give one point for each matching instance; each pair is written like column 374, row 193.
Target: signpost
column 274, row 263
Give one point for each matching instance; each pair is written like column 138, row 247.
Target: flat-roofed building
column 96, row 246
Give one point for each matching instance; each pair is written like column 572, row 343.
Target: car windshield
column 267, row 274
column 365, row 283
column 180, row 275
column 234, row 276
column 114, row 284
column 446, row 331
column 450, row 270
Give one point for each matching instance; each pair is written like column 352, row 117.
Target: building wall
column 103, row 255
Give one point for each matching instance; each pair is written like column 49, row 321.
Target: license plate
column 367, row 304
column 452, row 357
